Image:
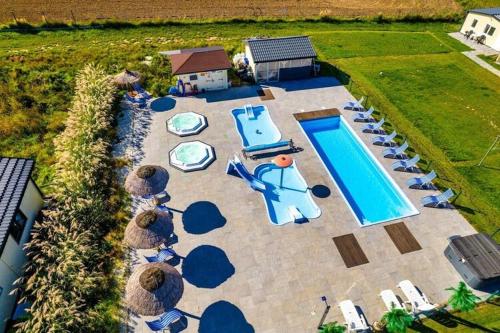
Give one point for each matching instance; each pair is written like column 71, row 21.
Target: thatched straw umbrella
column 149, row 229
column 153, row 289
column 127, row 78
column 147, row 180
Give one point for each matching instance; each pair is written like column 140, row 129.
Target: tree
column 462, row 298
column 397, row 320
column 332, row 327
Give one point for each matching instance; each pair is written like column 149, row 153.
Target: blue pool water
column 257, row 131
column 284, row 188
column 370, row 192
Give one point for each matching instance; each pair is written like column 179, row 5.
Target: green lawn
column 485, row 318
column 445, row 104
column 348, row 44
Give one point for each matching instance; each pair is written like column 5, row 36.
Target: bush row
column 65, row 277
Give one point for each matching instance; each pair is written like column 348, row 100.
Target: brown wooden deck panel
column 402, row 238
column 350, row 251
column 265, row 94
column 317, row 114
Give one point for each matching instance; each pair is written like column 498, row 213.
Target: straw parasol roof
column 149, row 229
column 147, row 180
column 127, row 77
column 153, row 289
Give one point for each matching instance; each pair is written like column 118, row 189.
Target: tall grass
column 65, row 277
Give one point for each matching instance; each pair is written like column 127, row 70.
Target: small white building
column 279, row 59
column 20, row 203
column 484, row 22
column 200, row 69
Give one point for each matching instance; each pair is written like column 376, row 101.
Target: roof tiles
column 279, row 49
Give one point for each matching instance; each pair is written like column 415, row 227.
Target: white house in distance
column 484, row 22
column 279, row 59
column 20, row 203
column 200, row 69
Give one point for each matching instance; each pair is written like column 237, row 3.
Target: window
column 193, row 77
column 474, row 23
column 491, row 31
column 486, row 28
column 17, row 227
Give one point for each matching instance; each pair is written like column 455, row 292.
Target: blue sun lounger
column 384, row 140
column 406, row 165
column 162, row 255
column 374, row 128
column 355, row 105
column 422, row 182
column 364, row 116
column 397, row 152
column 165, row 320
column 437, row 200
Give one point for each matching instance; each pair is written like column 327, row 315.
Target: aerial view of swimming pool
column 255, row 125
column 287, row 195
column 371, row 193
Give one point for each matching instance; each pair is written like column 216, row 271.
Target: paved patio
column 243, row 274
column 477, row 49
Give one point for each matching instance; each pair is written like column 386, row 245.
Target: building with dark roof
column 484, row 23
column 278, row 59
column 477, row 259
column 200, row 69
column 20, row 204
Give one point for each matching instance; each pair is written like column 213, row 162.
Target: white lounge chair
column 364, row 116
column 423, row 182
column 406, row 165
column 390, row 300
column 437, row 200
column 354, row 320
column 396, row 152
column 375, row 127
column 383, row 140
column 417, row 299
column 355, row 105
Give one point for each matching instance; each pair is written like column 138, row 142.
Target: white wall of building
column 481, row 23
column 213, row 80
column 13, row 256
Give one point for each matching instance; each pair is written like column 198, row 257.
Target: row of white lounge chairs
column 398, row 152
column 417, row 303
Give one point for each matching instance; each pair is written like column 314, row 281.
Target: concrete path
column 477, row 50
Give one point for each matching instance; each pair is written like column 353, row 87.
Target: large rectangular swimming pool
column 371, row 193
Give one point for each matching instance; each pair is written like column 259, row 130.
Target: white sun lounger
column 355, row 105
column 383, row 140
column 364, row 116
column 406, row 165
column 437, row 200
column 422, row 182
column 396, row 152
column 418, row 300
column 354, row 320
column 390, row 300
column 374, row 128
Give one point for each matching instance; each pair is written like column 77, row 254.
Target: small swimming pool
column 370, row 192
column 255, row 125
column 286, row 191
column 186, row 123
column 191, row 156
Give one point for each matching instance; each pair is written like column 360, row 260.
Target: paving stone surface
column 257, row 277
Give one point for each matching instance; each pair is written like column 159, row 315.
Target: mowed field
column 414, row 74
column 69, row 10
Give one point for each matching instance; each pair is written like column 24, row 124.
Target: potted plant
column 397, row 320
column 332, row 327
column 462, row 298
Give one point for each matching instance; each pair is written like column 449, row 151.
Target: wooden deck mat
column 265, row 94
column 402, row 237
column 325, row 113
column 350, row 251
